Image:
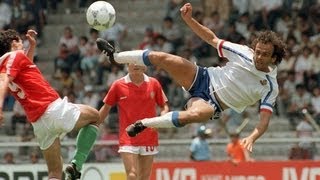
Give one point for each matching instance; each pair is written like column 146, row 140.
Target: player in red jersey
column 136, row 96
column 50, row 116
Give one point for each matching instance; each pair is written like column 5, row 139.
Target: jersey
column 239, row 84
column 28, row 85
column 236, row 151
column 136, row 103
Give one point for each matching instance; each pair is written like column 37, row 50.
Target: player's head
column 9, row 40
column 234, row 136
column 136, row 69
column 268, row 49
column 204, row 132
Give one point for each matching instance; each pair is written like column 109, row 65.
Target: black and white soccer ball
column 101, row 15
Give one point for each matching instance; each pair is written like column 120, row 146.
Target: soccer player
column 248, row 77
column 137, row 96
column 50, row 116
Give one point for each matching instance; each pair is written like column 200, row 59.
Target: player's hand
column 31, row 34
column 247, row 143
column 186, row 11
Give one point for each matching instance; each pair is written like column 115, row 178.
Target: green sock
column 85, row 140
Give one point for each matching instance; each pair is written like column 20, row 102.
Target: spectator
column 305, row 131
column 287, row 91
column 19, row 116
column 301, row 99
column 296, row 152
column 303, row 66
column 37, row 14
column 20, row 16
column 214, row 23
column 148, row 41
column 117, row 33
column 172, row 8
column 90, row 98
column 5, row 14
column 235, row 151
column 105, row 152
column 8, row 158
column 116, row 73
column 199, row 148
column 171, row 31
column 34, row 158
column 288, row 62
column 71, row 42
column 162, row 44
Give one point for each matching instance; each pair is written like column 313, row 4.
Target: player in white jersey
column 249, row 76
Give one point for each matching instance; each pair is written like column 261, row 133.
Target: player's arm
column 164, row 109
column 203, row 32
column 261, row 127
column 104, row 111
column 31, row 34
column 4, row 80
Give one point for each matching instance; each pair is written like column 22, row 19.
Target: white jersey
column 239, row 84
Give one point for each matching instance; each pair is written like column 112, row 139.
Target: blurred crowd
column 84, row 75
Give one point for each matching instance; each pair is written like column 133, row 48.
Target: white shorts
column 59, row 119
column 142, row 150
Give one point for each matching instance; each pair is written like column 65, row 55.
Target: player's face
column 133, row 69
column 16, row 45
column 263, row 56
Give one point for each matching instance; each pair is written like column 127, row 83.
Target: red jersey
column 136, row 103
column 236, row 151
column 28, row 86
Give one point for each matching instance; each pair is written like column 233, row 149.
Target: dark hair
column 279, row 47
column 6, row 38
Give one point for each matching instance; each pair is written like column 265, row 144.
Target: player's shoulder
column 18, row 53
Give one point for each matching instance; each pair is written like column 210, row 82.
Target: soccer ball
column 101, row 15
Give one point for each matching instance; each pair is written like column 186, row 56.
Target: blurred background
column 69, row 59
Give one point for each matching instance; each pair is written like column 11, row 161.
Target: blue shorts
column 201, row 89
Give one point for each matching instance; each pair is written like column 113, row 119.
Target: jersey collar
column 3, row 57
column 128, row 80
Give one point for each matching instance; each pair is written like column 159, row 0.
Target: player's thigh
column 130, row 162
column 198, row 110
column 180, row 70
column 52, row 155
column 145, row 166
column 88, row 115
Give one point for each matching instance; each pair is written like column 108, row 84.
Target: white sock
column 133, row 57
column 168, row 120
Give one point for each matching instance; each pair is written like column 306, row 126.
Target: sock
column 169, row 120
column 85, row 140
column 139, row 57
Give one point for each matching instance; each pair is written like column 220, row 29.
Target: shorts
column 142, row 150
column 201, row 88
column 59, row 119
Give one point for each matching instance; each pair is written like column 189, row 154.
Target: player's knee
column 195, row 115
column 157, row 55
column 94, row 116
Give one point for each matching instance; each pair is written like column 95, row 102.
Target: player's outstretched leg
column 179, row 69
